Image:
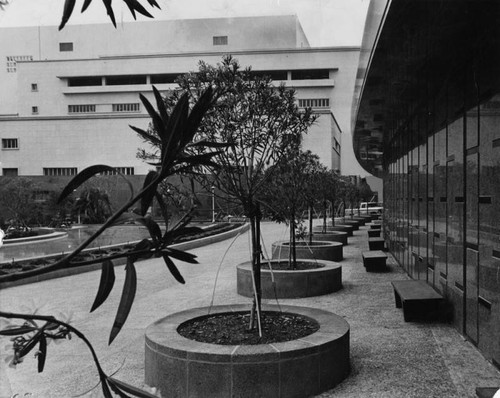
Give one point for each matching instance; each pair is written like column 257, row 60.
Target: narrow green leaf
column 17, row 331
column 140, row 9
column 107, row 4
column 130, row 388
column 83, row 176
column 152, row 226
column 150, row 194
column 175, row 130
column 42, row 353
column 160, row 104
column 115, row 388
column 142, row 246
column 173, row 269
column 105, row 285
column 126, row 301
column 146, row 136
column 105, row 388
column 197, row 114
column 31, row 344
column 130, row 6
column 180, row 255
column 86, row 4
column 154, row 3
column 157, row 120
column 69, row 5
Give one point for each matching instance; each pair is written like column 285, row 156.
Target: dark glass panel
column 125, row 80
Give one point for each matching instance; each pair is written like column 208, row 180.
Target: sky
column 325, row 22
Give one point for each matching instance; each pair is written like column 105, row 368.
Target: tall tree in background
column 16, row 195
column 289, row 189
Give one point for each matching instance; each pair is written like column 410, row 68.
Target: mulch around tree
column 232, row 328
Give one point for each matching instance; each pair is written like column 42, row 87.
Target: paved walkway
column 389, row 358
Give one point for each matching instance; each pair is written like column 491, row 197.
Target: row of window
column 314, row 103
column 10, row 143
column 13, row 59
column 89, row 108
column 66, row 171
column 170, row 78
column 136, row 107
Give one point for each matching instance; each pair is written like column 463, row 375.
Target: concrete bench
column 417, row 298
column 374, row 233
column 486, row 392
column 376, row 243
column 375, row 260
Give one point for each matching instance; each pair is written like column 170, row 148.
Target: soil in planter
column 283, row 265
column 232, row 328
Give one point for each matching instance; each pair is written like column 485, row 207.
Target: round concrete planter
column 337, row 227
column 316, row 250
column 180, row 367
column 331, row 236
column 354, row 223
column 291, row 283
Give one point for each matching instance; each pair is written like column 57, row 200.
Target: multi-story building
column 427, row 121
column 68, row 97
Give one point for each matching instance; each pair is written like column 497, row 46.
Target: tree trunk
column 310, row 225
column 256, row 254
column 324, row 215
column 294, row 246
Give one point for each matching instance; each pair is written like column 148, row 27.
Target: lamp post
column 213, row 203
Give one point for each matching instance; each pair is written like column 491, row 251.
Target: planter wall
column 291, row 283
column 180, row 367
column 338, row 227
column 317, row 250
column 353, row 223
column 331, row 236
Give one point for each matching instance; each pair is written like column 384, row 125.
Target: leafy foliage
column 39, row 330
column 252, row 121
column 176, row 128
column 16, row 195
column 291, row 187
column 93, row 206
column 133, row 5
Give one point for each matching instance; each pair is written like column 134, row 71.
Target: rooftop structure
column 70, row 96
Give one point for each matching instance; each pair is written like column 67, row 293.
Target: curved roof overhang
column 415, row 53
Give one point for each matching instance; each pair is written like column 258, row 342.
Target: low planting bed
column 318, row 278
column 288, row 367
column 13, row 273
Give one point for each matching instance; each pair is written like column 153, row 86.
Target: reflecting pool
column 113, row 235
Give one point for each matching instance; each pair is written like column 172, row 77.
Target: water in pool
column 114, row 235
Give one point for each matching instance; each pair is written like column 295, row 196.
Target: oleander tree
column 133, row 5
column 316, row 189
column 289, row 189
column 176, row 129
column 259, row 121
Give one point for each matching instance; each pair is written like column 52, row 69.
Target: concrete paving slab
column 390, row 358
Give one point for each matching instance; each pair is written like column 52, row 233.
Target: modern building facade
column 68, row 97
column 427, row 120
